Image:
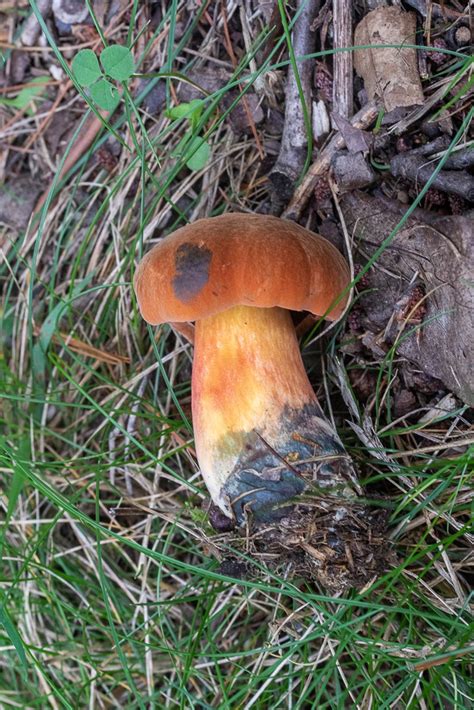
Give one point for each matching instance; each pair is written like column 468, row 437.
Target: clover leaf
column 105, row 94
column 117, row 62
column 85, row 66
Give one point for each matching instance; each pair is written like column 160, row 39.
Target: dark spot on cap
column 192, row 270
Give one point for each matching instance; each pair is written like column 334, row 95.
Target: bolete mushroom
column 270, row 459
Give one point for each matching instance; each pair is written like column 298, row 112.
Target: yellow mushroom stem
column 255, row 414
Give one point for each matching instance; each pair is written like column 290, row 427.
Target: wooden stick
column 342, row 61
column 363, row 119
column 419, row 169
column 291, row 160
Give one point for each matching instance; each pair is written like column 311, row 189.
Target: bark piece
column 390, row 73
column 440, row 257
column 342, row 61
column 321, row 121
column 352, row 171
column 355, row 138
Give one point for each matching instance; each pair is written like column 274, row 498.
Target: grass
column 111, row 594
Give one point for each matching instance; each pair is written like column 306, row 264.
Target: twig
column 293, row 150
column 415, row 167
column 461, row 159
column 78, row 346
column 453, row 444
column 437, row 11
column 363, row 119
column 342, row 93
column 91, row 130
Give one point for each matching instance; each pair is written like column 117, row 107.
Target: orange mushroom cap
column 240, row 259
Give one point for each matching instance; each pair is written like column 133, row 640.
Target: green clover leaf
column 117, row 62
column 105, row 94
column 201, row 153
column 85, row 66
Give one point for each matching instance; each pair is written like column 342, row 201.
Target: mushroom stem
column 262, row 440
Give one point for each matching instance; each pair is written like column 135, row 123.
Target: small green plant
column 191, row 144
column 24, row 98
column 117, row 63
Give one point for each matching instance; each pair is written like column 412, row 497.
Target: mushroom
column 272, row 462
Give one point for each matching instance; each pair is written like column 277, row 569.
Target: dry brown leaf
column 390, row 73
column 439, row 256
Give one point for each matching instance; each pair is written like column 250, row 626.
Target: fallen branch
column 363, row 119
column 415, row 167
column 293, row 150
column 389, row 72
column 460, row 159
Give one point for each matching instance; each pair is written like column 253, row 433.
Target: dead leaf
column 356, row 140
column 440, row 256
column 390, row 73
